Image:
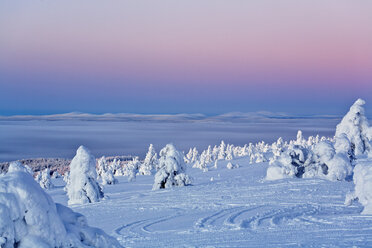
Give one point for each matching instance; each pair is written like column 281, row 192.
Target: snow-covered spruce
column 363, row 186
column 82, row 186
column 104, row 172
column 322, row 161
column 44, row 179
column 171, row 169
column 356, row 128
column 17, row 166
column 150, row 162
column 30, row 218
column 132, row 169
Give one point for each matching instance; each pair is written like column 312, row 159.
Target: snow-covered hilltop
column 281, row 194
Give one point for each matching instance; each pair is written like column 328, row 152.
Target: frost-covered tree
column 171, row 169
column 18, row 166
column 102, row 166
column 104, row 172
column 195, row 154
column 222, row 150
column 56, row 174
column 82, row 186
column 231, row 166
column 229, row 153
column 363, row 186
column 322, row 161
column 132, row 169
column 116, row 167
column 355, row 126
column 150, row 162
column 300, row 139
column 45, row 181
column 30, row 218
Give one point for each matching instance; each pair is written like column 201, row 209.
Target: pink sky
column 242, row 46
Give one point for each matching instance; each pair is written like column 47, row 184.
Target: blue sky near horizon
column 211, row 57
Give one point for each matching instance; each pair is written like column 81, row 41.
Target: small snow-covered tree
column 195, row 154
column 56, row 174
column 18, row 166
column 355, row 126
column 116, row 168
column 363, row 186
column 82, row 186
column 132, row 169
column 231, row 166
column 45, row 181
column 30, row 218
column 102, row 166
column 222, row 150
column 150, row 162
column 229, row 153
column 171, row 169
column 188, row 156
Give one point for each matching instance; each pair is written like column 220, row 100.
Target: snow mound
column 363, row 186
column 82, row 186
column 30, row 218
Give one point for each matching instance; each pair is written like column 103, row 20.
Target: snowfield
column 238, row 208
column 308, row 192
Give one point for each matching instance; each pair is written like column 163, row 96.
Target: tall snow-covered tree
column 150, row 162
column 355, row 126
column 172, row 169
column 82, row 186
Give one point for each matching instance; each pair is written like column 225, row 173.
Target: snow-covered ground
column 228, row 208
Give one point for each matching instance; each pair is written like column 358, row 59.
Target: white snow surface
column 238, row 208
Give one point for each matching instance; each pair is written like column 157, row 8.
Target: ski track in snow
column 238, row 209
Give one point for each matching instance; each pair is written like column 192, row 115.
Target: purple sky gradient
column 300, row 57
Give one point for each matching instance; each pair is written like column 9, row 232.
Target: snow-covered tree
column 150, row 162
column 229, row 153
column 222, row 150
column 322, row 161
column 82, row 186
column 116, row 167
column 363, row 186
column 30, row 218
column 355, row 126
column 132, row 169
column 18, row 166
column 104, row 172
column 56, row 174
column 45, row 181
column 195, row 154
column 171, row 169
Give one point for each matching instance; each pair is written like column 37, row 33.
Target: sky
column 211, row 56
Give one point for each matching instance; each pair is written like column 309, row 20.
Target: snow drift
column 30, row 218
